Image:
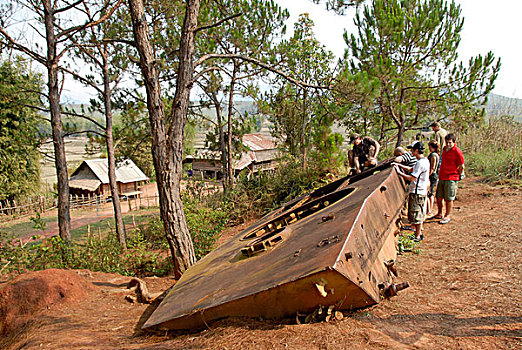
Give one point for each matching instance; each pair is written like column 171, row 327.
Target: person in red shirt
column 450, row 173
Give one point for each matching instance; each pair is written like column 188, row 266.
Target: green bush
column 255, row 196
column 205, row 224
column 96, row 255
column 152, row 232
column 406, row 243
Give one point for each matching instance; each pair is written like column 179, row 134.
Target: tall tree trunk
column 229, row 122
column 175, row 134
column 222, row 145
column 120, row 227
column 64, row 218
column 168, row 152
column 400, row 135
column 303, row 131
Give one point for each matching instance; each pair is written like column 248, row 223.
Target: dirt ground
column 465, row 293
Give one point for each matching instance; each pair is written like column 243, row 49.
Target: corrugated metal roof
column 247, row 158
column 261, row 148
column 258, row 142
column 126, row 171
column 205, row 154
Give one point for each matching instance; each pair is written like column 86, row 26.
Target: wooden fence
column 41, row 204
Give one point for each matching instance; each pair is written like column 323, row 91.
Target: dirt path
column 465, row 294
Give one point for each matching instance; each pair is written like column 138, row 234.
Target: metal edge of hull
column 371, row 240
column 281, row 301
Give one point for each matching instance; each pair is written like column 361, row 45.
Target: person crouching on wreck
column 364, row 153
column 418, row 189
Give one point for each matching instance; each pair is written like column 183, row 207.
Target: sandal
column 444, row 221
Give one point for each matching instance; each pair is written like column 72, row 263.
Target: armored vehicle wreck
column 335, row 245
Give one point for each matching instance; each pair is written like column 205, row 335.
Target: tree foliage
column 94, row 48
column 19, row 138
column 300, row 113
column 132, row 133
column 339, row 6
column 250, row 31
column 404, row 55
column 55, row 22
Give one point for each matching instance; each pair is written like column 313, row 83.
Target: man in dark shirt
column 364, row 152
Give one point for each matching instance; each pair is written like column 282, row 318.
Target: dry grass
column 494, row 150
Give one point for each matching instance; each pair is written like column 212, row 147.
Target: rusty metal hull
column 328, row 247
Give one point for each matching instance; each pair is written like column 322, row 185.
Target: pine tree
column 406, row 50
column 296, row 111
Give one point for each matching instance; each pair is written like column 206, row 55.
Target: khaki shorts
column 447, row 189
column 416, row 208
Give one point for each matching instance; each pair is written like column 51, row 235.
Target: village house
column 92, row 178
column 261, row 155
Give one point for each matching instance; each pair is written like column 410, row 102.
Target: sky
column 488, row 26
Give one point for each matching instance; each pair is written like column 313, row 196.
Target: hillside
column 497, row 105
column 501, row 105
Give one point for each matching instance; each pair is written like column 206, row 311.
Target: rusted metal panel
column 328, row 247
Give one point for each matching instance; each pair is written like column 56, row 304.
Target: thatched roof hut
column 92, row 177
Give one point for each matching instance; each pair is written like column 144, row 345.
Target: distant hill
column 501, row 105
column 497, row 105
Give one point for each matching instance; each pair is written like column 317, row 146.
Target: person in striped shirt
column 405, row 158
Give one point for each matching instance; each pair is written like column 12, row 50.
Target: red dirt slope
column 23, row 298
